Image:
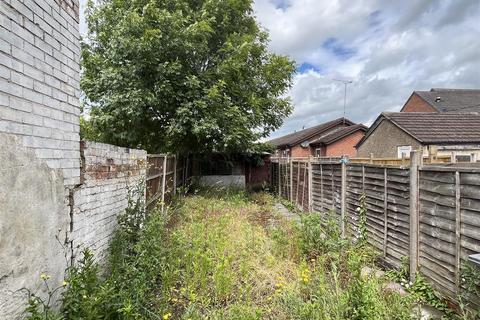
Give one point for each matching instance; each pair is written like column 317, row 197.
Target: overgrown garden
column 229, row 257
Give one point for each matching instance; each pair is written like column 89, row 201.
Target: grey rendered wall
column 383, row 142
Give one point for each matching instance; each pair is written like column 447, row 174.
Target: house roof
column 452, row 100
column 433, row 128
column 309, row 133
column 338, row 134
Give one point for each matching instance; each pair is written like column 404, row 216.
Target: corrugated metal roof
column 309, row 133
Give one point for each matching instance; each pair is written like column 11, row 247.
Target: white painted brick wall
column 39, row 79
column 39, row 104
column 109, row 173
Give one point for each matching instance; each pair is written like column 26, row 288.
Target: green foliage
column 333, row 284
column 470, row 277
column 86, row 296
column 227, row 255
column 362, row 220
column 87, row 131
column 320, row 235
column 182, row 75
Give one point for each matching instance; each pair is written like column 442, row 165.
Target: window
column 318, row 152
column 463, row 158
column 286, row 152
column 404, row 151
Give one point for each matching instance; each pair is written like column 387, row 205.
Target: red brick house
column 444, row 100
column 330, row 139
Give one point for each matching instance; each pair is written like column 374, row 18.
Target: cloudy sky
column 386, row 48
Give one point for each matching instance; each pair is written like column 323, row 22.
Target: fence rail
column 428, row 213
column 165, row 173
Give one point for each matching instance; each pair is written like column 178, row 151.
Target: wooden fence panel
column 398, row 215
column 469, row 223
column 448, row 211
column 164, row 174
column 437, row 229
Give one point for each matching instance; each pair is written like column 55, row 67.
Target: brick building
column 444, row 100
column 330, row 139
column 395, row 134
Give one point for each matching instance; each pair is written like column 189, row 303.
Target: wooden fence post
column 321, row 187
column 458, row 222
column 175, row 174
column 310, row 184
column 164, row 180
column 333, row 188
column 385, row 212
column 453, row 157
column 298, row 182
column 414, row 177
column 279, row 179
column 343, row 197
column 363, row 179
column 291, row 179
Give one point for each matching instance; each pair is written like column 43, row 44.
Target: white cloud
column 399, row 46
column 388, row 49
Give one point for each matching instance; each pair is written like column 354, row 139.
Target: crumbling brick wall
column 48, row 210
column 108, row 174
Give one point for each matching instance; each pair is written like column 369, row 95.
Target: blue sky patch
column 333, row 45
column 305, row 67
column 281, row 4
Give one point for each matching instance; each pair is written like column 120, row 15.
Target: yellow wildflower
column 167, row 316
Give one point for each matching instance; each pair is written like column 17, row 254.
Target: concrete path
column 289, row 215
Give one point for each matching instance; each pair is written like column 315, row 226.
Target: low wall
column 44, row 226
column 108, row 174
column 237, row 181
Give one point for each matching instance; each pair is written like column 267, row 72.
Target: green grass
column 229, row 256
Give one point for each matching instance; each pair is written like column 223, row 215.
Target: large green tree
column 182, row 75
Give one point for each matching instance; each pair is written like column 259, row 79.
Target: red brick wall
column 417, row 104
column 299, row 152
column 345, row 146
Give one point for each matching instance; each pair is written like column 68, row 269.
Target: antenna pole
column 345, row 83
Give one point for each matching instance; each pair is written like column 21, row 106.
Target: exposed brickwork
column 108, row 174
column 345, row 146
column 39, row 80
column 299, row 151
column 416, row 104
column 54, row 208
